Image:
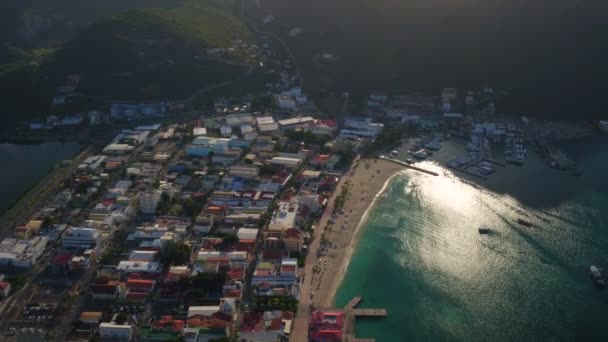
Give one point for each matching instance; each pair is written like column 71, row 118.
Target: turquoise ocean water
column 421, row 257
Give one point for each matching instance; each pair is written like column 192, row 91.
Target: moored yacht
column 596, row 276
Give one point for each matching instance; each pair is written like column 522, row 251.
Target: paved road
column 299, row 331
column 37, row 196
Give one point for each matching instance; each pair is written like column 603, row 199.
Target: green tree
column 208, row 281
column 174, row 253
column 230, row 239
column 121, row 318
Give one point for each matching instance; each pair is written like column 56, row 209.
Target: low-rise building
column 294, row 123
column 29, row 229
column 5, row 289
column 285, row 102
column 21, row 253
column 244, row 171
column 115, row 332
column 91, row 317
column 145, row 267
column 79, row 237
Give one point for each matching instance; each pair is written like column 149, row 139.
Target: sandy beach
column 365, row 181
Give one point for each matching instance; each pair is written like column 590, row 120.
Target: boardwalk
column 409, row 166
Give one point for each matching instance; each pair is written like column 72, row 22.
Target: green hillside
column 141, row 54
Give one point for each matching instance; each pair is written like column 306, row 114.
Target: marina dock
column 351, row 314
column 409, row 166
column 464, row 170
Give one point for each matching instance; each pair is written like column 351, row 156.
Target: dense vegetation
column 155, row 50
column 266, row 303
column 175, row 254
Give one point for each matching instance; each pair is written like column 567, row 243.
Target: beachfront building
column 326, row 325
column 284, row 217
column 265, row 326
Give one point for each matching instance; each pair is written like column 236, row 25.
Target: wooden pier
column 369, row 312
column 351, row 314
column 409, row 166
column 464, row 170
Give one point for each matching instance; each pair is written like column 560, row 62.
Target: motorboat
column 596, row 276
column 421, row 154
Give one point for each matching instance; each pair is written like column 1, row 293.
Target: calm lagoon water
column 24, row 165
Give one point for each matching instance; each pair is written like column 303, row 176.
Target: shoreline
column 32, row 198
column 355, row 240
column 367, row 179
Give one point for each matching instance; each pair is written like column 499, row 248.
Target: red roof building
column 326, row 326
column 5, row 288
column 137, row 296
column 168, row 323
column 140, row 284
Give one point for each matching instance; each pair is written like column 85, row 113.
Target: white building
column 286, row 102
column 148, row 201
column 142, row 255
column 285, row 161
column 21, row 253
column 115, row 332
column 296, row 122
column 77, row 237
column 139, row 267
column 247, row 233
column 263, row 120
column 284, row 217
column 199, row 131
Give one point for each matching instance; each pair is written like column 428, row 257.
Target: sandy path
column 364, row 180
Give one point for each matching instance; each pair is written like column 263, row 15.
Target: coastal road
column 300, row 328
column 34, row 199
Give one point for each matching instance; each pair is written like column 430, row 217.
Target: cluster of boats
column 486, row 168
column 479, row 147
column 515, row 151
column 421, row 154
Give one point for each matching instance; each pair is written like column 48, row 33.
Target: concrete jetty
column 351, row 314
column 409, row 166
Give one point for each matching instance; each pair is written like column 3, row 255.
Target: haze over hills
column 123, row 49
column 550, row 53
